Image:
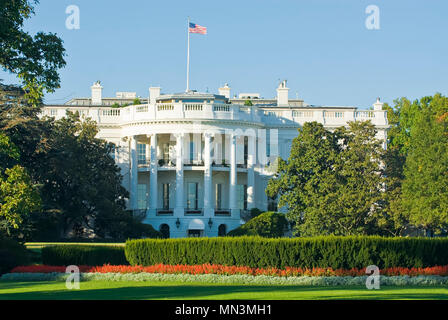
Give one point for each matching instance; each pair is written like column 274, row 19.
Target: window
column 192, row 200
column 194, row 233
column 166, row 196
column 166, row 152
column 141, row 196
column 141, row 153
column 165, row 230
column 222, row 230
column 191, row 151
column 218, row 196
column 112, row 151
column 242, row 196
column 272, row 204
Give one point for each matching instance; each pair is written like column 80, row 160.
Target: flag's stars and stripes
column 195, row 28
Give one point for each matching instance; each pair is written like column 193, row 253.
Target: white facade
column 195, row 162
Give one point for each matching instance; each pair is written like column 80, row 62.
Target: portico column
column 233, row 171
column 179, row 209
column 208, row 203
column 153, row 176
column 133, row 174
column 250, row 172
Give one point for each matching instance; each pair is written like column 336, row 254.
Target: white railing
column 193, row 107
column 110, row 112
column 221, row 108
column 302, row 114
column 143, row 108
column 165, row 107
column 255, row 114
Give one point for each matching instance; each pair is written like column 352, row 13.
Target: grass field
column 122, row 290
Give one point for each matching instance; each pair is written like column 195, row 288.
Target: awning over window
column 196, row 224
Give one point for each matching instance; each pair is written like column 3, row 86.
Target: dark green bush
column 12, row 254
column 87, row 255
column 335, row 252
column 267, row 224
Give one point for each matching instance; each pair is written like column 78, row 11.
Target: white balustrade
column 162, row 111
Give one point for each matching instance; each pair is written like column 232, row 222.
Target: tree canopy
column 332, row 181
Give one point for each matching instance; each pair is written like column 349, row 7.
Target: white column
column 153, row 176
column 133, row 173
column 233, row 171
column 250, row 171
column 179, row 209
column 208, row 202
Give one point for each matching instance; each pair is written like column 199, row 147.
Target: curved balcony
column 272, row 116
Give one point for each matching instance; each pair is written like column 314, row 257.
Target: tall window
column 192, row 200
column 191, row 151
column 166, row 196
column 218, row 196
column 113, row 150
column 166, row 151
column 141, row 196
column 222, row 230
column 165, row 230
column 272, row 204
column 141, row 153
column 242, row 196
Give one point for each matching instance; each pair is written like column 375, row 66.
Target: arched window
column 165, row 230
column 222, row 230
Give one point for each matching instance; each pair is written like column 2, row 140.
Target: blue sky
column 321, row 47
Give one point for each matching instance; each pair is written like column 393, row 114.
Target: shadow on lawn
column 213, row 292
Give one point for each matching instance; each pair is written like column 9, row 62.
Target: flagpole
column 188, row 55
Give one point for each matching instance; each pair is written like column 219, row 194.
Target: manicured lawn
column 165, row 290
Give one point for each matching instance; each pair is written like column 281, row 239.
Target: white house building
column 195, row 163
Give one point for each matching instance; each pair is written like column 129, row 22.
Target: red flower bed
column 230, row 270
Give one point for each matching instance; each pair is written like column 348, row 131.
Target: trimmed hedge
column 87, row 255
column 323, row 252
column 12, row 254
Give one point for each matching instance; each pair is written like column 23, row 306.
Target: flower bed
column 236, row 279
column 235, row 270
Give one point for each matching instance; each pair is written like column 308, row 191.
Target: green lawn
column 163, row 290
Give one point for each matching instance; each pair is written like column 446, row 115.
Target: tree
column 307, row 177
column 18, row 196
column 84, row 184
column 332, row 182
column 425, row 185
column 34, row 59
column 248, row 103
column 360, row 181
column 267, row 224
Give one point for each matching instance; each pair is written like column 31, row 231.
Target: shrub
column 317, row 252
column 12, row 254
column 267, row 224
column 64, row 255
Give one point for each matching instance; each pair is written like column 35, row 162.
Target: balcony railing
column 222, row 212
column 331, row 115
column 165, row 212
column 194, row 212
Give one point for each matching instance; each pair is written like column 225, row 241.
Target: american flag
column 195, row 28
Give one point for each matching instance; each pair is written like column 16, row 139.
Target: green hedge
column 335, row 252
column 12, row 254
column 88, row 255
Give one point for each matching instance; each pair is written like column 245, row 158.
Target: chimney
column 97, row 90
column 154, row 93
column 378, row 105
column 282, row 94
column 225, row 91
